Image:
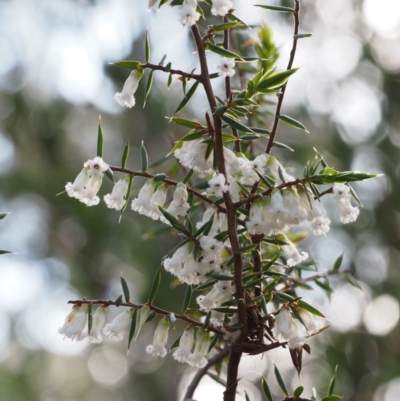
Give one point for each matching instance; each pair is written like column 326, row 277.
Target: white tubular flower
column 158, row 348
column 75, row 323
column 212, row 252
column 257, row 223
column 234, row 190
column 221, row 7
column 294, row 256
column 99, row 318
column 320, row 223
column 260, row 162
column 197, row 358
column 141, row 204
column 188, row 14
column 118, row 328
column 217, row 185
column 158, row 199
column 97, row 166
column 294, row 209
column 144, row 313
column 179, row 205
column 117, row 199
column 192, row 154
column 126, row 98
column 289, row 329
column 233, row 163
column 226, row 67
column 342, row 196
column 184, row 350
column 75, row 189
column 151, row 4
column 274, row 166
column 175, row 263
column 221, row 292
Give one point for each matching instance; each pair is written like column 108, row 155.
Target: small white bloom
column 192, row 154
column 158, row 348
column 118, row 328
column 182, row 353
column 75, row 189
column 141, row 204
column 234, row 190
column 226, row 67
column 293, row 255
column 99, row 318
column 97, row 166
column 179, row 205
column 175, row 263
column 217, row 185
column 158, row 199
column 75, row 322
column 117, row 199
column 197, row 358
column 221, row 7
column 188, row 14
column 342, row 196
column 260, row 162
column 274, row 167
column 126, row 98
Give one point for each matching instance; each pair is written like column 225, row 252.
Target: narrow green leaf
column 204, row 286
column 275, row 80
column 151, row 316
column 130, row 65
column 294, row 123
column 264, row 306
column 132, row 328
column 128, row 192
column 217, row 379
column 246, row 396
column 225, row 26
column 221, row 277
column 176, row 343
column 148, row 87
column 298, row 392
column 189, row 124
column 225, row 310
column 162, row 2
column 118, row 301
column 125, row 289
column 298, row 316
column 247, row 248
column 186, row 300
column 204, row 227
column 2, row 215
column 285, row 297
column 351, row 280
column 331, row 398
column 144, row 158
column 187, row 97
column 331, row 386
column 338, row 263
column 302, row 35
column 266, row 390
column 173, row 220
column 100, row 140
column 221, row 51
column 214, row 342
column 169, row 83
column 154, row 287
column 90, row 318
column 207, row 320
column 125, row 154
column 283, row 146
column 147, row 45
column 235, row 124
column 280, row 381
column 188, row 176
column 276, row 8
column 309, row 308
column 159, row 177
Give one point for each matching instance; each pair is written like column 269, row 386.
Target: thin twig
column 160, row 311
column 203, row 371
column 158, row 67
column 289, row 66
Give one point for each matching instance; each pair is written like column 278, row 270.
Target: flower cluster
column 295, row 332
column 191, row 268
column 221, row 7
column 188, row 14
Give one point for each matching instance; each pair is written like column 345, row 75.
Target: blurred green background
column 55, row 81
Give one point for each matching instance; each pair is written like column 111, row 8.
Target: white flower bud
column 75, row 323
column 99, row 318
column 75, row 189
column 126, row 98
column 217, row 185
column 197, row 358
column 158, row 348
column 221, row 7
column 187, row 13
column 342, row 196
column 118, row 328
column 182, row 353
column 141, row 204
column 116, row 200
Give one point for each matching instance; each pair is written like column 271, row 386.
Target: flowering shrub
column 243, row 256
